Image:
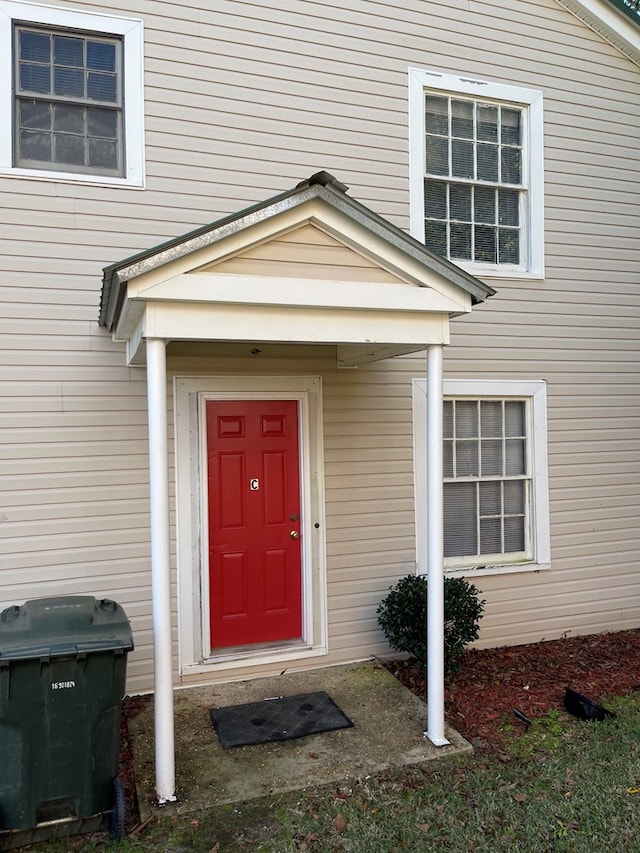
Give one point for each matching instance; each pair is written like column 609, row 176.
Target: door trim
column 191, row 394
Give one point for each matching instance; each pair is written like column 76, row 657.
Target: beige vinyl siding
column 242, row 102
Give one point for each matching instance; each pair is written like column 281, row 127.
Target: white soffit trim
column 609, row 23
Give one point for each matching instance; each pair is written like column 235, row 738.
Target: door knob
column 294, row 534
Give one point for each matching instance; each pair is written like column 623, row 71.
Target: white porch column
column 161, row 568
column 435, row 550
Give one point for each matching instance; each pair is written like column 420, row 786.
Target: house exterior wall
column 242, row 101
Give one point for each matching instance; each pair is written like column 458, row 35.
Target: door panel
column 255, row 563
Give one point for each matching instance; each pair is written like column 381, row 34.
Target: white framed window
column 71, row 90
column 495, row 482
column 476, row 164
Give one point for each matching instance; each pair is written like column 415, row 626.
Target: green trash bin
column 62, row 682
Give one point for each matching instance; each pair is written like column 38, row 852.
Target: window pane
column 68, row 118
column 487, row 123
column 466, row 459
column 490, row 498
column 35, row 47
column 102, row 123
column 460, row 202
column 448, row 459
column 466, row 418
column 102, row 87
column 69, row 149
column 435, row 199
column 515, row 456
column 35, row 78
column 447, row 417
column 514, row 418
column 462, row 159
column 511, row 124
column 485, row 245
column 35, row 115
column 511, row 159
column 437, row 155
column 514, row 538
column 508, row 246
column 435, row 237
column 514, row 496
column 460, row 241
column 35, row 146
column 491, row 536
column 491, row 418
column 68, row 51
column 101, row 56
column 491, row 458
column 509, row 207
column 460, row 513
column 437, row 115
column 103, row 153
column 487, row 162
column 484, row 204
column 462, row 119
column 68, row 82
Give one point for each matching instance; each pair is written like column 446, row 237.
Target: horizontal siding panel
column 134, row 581
column 23, row 534
column 25, row 484
column 124, row 548
column 78, row 512
column 339, row 503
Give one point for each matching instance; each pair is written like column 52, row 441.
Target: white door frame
column 191, row 395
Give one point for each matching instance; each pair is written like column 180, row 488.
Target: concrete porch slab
column 388, row 728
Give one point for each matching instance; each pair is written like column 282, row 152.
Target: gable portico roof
column 321, row 185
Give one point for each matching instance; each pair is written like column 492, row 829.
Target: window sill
column 71, row 178
column 488, row 272
column 507, row 569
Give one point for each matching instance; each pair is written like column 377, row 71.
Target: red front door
column 255, row 585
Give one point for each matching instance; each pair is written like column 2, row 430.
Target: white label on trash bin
column 62, row 685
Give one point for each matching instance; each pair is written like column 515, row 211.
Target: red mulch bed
column 491, row 683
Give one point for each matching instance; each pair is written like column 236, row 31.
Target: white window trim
column 531, row 100
column 190, row 395
column 536, row 392
column 131, row 31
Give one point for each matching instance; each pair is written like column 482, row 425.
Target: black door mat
column 283, row 718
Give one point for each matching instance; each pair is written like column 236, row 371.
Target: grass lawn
column 565, row 785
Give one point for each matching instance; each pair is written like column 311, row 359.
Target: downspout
column 435, row 549
column 161, row 568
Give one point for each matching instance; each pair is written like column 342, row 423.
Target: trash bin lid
column 63, row 625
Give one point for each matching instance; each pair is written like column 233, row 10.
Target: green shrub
column 402, row 617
